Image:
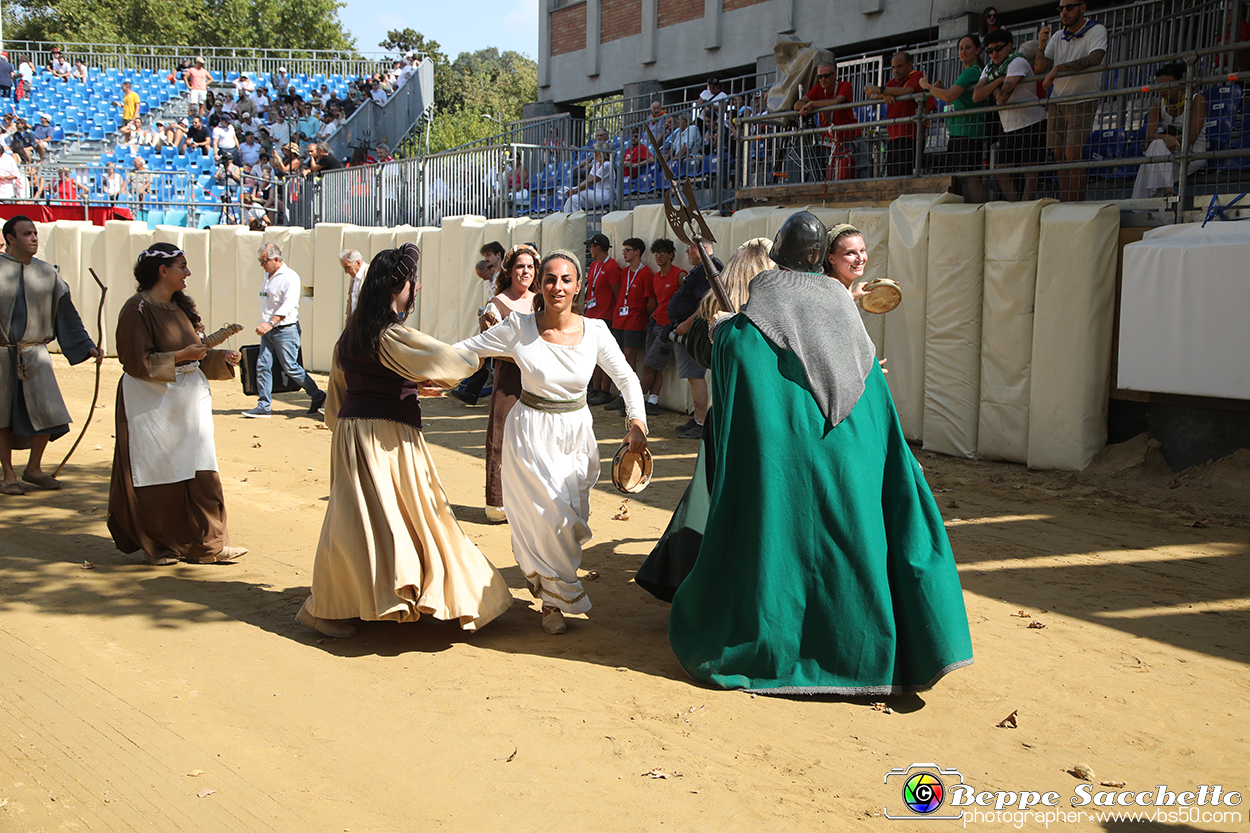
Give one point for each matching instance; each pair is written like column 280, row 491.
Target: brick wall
column 619, row 19
column 568, row 29
column 729, row 5
column 672, row 12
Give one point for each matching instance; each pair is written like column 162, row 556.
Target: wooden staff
column 99, row 329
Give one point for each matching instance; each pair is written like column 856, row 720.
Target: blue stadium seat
column 1241, row 142
column 175, row 217
column 1108, row 145
column 154, row 218
column 208, row 218
column 95, row 133
column 58, row 135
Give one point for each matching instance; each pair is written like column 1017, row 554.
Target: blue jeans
column 282, row 344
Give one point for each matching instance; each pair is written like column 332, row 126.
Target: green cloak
column 824, row 566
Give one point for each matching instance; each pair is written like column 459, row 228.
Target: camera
column 669, row 333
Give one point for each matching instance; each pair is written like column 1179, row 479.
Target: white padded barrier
column 952, row 365
column 564, row 231
column 222, row 287
column 1011, row 238
column 91, row 253
column 617, row 226
column 528, row 230
column 874, row 223
column 905, row 326
column 461, row 292
column 1072, row 322
column 429, row 241
column 123, row 240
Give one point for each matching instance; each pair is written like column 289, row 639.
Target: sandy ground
column 127, row 692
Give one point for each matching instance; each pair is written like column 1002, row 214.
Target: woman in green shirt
column 966, row 147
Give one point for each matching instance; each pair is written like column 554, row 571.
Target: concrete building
column 593, row 48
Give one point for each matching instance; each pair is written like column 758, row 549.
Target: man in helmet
column 824, row 566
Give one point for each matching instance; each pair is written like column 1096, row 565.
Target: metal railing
column 179, row 198
column 162, row 59
column 371, row 122
column 770, row 152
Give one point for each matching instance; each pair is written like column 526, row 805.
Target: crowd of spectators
column 256, row 134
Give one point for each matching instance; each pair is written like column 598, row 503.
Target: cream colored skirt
column 390, row 546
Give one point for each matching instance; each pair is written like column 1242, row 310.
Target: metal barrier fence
column 219, row 59
column 772, row 151
column 179, row 198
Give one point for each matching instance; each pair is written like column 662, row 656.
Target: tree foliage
column 261, row 24
column 475, row 85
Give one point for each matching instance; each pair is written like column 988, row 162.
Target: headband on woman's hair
column 841, row 229
column 521, row 247
column 565, row 254
column 146, row 253
column 409, row 254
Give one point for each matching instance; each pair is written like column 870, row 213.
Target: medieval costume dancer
column 550, row 456
column 390, row 546
column 514, row 293
column 35, row 309
column 165, row 497
column 825, row 566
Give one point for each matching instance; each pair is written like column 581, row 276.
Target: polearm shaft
column 686, row 215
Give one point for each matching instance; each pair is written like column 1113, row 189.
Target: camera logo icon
column 923, row 789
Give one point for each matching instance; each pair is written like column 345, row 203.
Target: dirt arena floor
column 1109, row 614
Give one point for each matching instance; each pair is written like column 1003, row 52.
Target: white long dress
column 1154, row 178
column 551, row 460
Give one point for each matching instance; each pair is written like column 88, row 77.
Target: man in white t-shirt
column 1023, row 143
column 1079, row 45
column 225, row 140
column 410, row 66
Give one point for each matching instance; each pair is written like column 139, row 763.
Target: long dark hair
column 540, row 303
column 986, row 28
column 148, row 272
column 363, row 335
column 504, row 281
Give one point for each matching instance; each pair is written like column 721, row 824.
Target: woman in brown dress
column 165, row 497
column 513, row 293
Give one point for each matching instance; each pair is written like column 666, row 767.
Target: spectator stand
column 177, row 187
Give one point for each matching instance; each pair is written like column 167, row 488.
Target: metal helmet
column 800, row 244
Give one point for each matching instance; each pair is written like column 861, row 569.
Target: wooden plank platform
column 860, row 193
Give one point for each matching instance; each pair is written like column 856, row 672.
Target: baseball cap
column 600, row 240
column 281, row 69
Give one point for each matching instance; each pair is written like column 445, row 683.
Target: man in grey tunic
column 35, row 309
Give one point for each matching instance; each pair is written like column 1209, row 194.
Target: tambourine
column 631, row 472
column 885, row 296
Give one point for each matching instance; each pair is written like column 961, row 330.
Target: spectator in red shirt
column 66, row 188
column 900, row 150
column 603, row 277
column 826, row 91
column 665, row 282
column 636, row 155
column 629, row 315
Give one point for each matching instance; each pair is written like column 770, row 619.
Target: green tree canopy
column 261, row 24
column 476, row 84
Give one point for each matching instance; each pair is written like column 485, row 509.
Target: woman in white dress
column 596, row 189
column 514, row 293
column 1164, row 136
column 550, row 456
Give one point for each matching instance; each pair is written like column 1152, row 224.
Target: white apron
column 171, row 427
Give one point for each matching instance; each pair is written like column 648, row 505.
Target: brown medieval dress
column 185, row 518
